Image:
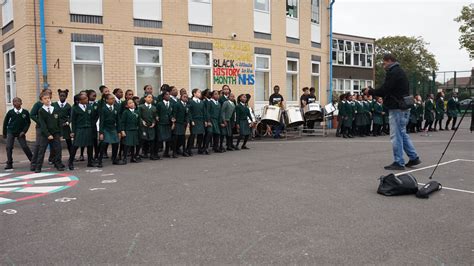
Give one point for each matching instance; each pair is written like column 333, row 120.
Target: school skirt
column 164, row 132
column 361, row 119
column 198, row 127
column 429, row 117
column 227, row 131
column 132, row 138
column 244, row 128
column 347, row 122
column 440, row 115
column 215, row 128
column 66, row 132
column 179, row 129
column 83, row 137
column 111, row 136
column 452, row 113
column 147, row 133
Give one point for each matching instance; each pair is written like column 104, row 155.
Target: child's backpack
column 391, row 185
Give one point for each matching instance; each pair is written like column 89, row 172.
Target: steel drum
column 312, row 112
column 293, row 117
column 271, row 115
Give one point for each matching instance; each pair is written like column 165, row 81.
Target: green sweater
column 109, row 120
column 34, row 112
column 16, row 123
column 165, row 114
column 130, row 120
column 49, row 122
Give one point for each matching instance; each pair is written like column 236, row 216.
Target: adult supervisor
column 394, row 88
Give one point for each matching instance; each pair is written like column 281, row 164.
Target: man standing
column 394, row 88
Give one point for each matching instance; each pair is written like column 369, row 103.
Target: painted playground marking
column 434, row 165
column 15, row 185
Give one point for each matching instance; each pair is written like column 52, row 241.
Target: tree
column 466, row 40
column 413, row 56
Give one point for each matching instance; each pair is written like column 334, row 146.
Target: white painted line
column 4, row 200
column 29, row 176
column 7, row 189
column 352, row 141
column 427, row 167
column 42, row 181
column 4, row 174
column 14, row 184
column 466, row 160
column 453, row 189
column 38, row 189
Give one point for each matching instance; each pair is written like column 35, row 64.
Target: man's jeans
column 399, row 137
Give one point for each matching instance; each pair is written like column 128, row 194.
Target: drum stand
column 320, row 129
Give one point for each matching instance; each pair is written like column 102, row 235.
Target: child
column 454, row 108
column 118, row 94
column 64, row 109
column 109, row 127
column 94, row 114
column 243, row 114
column 124, row 104
column 147, row 126
column 206, row 95
column 215, row 121
column 419, row 113
column 166, row 122
column 15, row 125
column 197, row 114
column 182, row 119
column 378, row 117
column 130, row 125
column 122, row 108
column 439, row 110
column 429, row 113
column 83, row 127
column 225, row 94
column 34, row 116
column 340, row 105
column 367, row 107
column 228, row 118
column 347, row 113
column 360, row 116
column 48, row 118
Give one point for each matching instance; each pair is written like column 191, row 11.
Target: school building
column 251, row 45
column 353, row 63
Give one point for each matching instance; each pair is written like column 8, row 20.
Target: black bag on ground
column 430, row 187
column 391, row 185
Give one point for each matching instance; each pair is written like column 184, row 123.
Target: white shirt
column 110, row 106
column 62, row 104
column 174, row 98
column 214, row 101
column 196, row 100
column 18, row 111
column 48, row 109
column 148, row 105
column 83, row 107
column 117, row 99
column 184, row 104
column 167, row 103
column 132, row 110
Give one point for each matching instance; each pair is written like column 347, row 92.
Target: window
column 87, row 61
column 88, row 7
column 355, row 86
column 148, row 68
column 262, row 77
column 291, row 79
column 262, row 5
column 292, row 8
column 315, row 78
column 147, row 9
column 200, row 12
column 369, row 60
column 200, row 69
column 315, row 11
column 369, row 83
column 370, row 48
column 7, row 12
column 10, row 75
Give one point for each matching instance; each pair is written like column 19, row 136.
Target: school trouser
column 192, row 137
column 90, row 154
column 148, row 147
column 438, row 121
column 180, row 142
column 207, row 139
column 23, row 144
column 454, row 118
column 133, row 150
column 36, row 148
column 215, row 141
column 428, row 124
column 339, row 125
column 55, row 148
column 377, row 130
column 103, row 151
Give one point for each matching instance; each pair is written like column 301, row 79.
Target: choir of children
column 363, row 116
column 130, row 125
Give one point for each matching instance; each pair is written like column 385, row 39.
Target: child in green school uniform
column 109, row 128
column 15, row 125
column 147, row 126
column 347, row 112
column 197, row 116
column 228, row 122
column 182, row 120
column 48, row 118
column 82, row 124
column 419, row 112
column 34, row 116
column 429, row 113
column 215, row 120
column 166, row 122
column 242, row 113
column 378, row 117
column 439, row 110
column 225, row 94
column 359, row 116
column 64, row 117
column 130, row 126
column 454, row 108
column 206, row 98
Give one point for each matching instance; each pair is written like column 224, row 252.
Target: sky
column 432, row 20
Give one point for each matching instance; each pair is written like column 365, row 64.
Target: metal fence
column 461, row 82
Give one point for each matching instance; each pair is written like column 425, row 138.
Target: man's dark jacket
column 394, row 88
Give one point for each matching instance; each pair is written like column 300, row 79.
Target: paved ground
column 268, row 205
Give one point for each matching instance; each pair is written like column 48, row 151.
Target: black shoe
column 99, row 165
column 71, row 167
column 235, row 148
column 453, row 128
column 229, row 149
column 394, row 166
column 38, row 170
column 441, row 129
column 185, row 154
column 133, row 160
column 413, row 162
column 91, row 164
column 206, row 152
column 200, row 152
column 245, row 148
column 166, row 155
column 119, row 162
column 9, row 166
column 144, row 156
column 174, row 156
column 32, row 169
column 350, row 136
column 154, row 158
column 81, row 158
column 338, row 135
column 106, row 156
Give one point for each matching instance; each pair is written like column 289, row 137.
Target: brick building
column 251, row 45
column 353, row 63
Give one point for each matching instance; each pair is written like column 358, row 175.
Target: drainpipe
column 330, row 57
column 43, row 45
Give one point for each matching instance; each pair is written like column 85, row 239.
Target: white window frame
column 160, row 12
column 7, row 12
column 269, row 71
column 73, row 6
column 12, row 71
column 160, row 64
column 316, row 75
column 319, row 14
column 211, row 76
column 297, row 9
column 86, row 62
column 297, row 79
column 263, row 11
